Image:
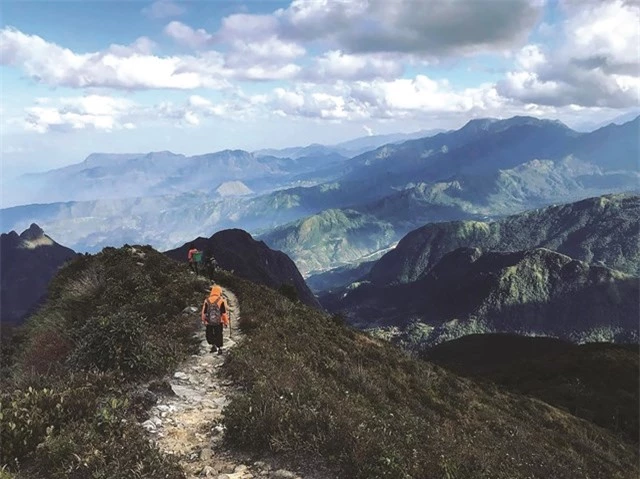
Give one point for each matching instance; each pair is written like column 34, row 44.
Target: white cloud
column 428, row 29
column 268, row 51
column 125, row 69
column 92, row 111
column 191, row 118
column 597, row 64
column 418, row 98
column 106, row 113
column 187, row 36
column 134, row 68
column 142, row 45
column 336, row 65
column 247, row 27
column 163, row 9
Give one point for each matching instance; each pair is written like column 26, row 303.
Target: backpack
column 214, row 317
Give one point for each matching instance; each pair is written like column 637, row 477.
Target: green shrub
column 109, row 445
column 289, row 292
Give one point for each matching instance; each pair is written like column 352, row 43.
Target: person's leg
column 210, row 333
column 218, row 337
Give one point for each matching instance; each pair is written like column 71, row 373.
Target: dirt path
column 187, row 423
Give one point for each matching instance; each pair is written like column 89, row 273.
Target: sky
column 200, row 76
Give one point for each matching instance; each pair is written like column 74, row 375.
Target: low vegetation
column 597, row 382
column 313, row 388
column 69, row 403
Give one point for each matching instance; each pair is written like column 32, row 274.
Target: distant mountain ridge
column 347, row 148
column 235, row 250
column 27, row 263
column 536, row 292
column 113, row 176
column 487, row 169
column 601, row 229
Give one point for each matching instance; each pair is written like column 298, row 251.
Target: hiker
column 192, row 257
column 215, row 317
column 210, row 264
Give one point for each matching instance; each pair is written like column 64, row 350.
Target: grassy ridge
column 69, row 406
column 314, row 387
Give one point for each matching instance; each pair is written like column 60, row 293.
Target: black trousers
column 214, row 334
column 194, row 266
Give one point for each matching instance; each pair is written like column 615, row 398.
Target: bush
column 289, row 292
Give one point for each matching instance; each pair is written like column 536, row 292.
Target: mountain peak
column 32, row 233
column 501, row 124
column 34, row 237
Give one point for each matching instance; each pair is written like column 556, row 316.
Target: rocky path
column 186, row 423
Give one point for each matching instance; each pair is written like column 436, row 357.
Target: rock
column 223, row 476
column 221, row 401
column 227, row 468
column 207, row 471
column 156, row 421
column 190, row 310
column 219, row 429
column 261, row 465
column 206, row 454
column 240, row 468
column 161, row 387
column 180, row 375
column 284, row 474
column 149, row 425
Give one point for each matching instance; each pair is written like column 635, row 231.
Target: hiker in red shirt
column 191, row 256
column 215, row 317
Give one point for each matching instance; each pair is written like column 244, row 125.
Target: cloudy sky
column 200, row 76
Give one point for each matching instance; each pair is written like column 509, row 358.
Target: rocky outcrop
column 236, row 250
column 28, row 262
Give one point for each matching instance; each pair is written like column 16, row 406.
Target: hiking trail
column 186, row 420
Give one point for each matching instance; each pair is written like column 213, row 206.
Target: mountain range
column 497, row 168
column 487, row 169
column 515, row 275
column 348, row 148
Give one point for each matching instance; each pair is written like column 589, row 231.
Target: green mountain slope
column 310, row 389
column 597, row 230
column 315, row 389
column 534, row 292
column 70, row 401
column 332, row 237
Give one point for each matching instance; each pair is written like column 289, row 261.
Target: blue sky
column 195, row 77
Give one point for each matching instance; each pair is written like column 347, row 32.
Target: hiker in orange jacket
column 215, row 317
column 192, row 261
